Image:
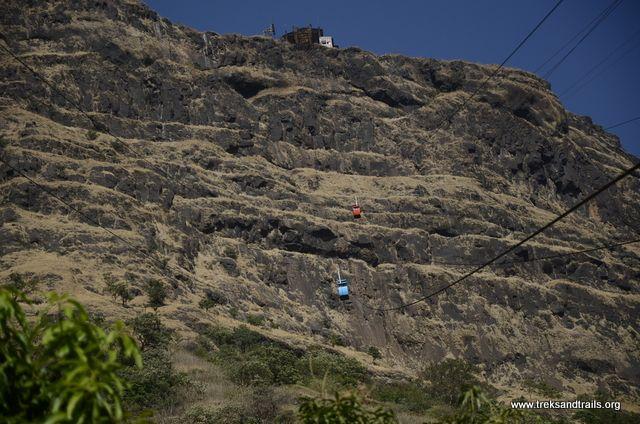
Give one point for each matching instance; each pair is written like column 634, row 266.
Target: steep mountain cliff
column 236, row 159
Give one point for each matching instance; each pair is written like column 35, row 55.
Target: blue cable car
column 343, row 287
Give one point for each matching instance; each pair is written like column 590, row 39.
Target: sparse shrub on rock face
column 211, row 299
column 336, row 340
column 215, row 297
column 254, row 319
column 206, row 304
column 374, row 352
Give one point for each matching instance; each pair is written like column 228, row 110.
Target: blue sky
column 479, row 31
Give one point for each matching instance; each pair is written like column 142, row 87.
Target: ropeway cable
column 550, row 224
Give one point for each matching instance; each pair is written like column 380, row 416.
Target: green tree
column 341, row 409
column 118, row 289
column 61, row 369
column 150, row 331
column 157, row 384
column 157, row 294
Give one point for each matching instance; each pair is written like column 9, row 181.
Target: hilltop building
column 307, row 36
column 327, row 41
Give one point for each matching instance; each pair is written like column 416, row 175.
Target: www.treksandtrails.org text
column 559, row 404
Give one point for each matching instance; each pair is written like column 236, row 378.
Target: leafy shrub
column 449, row 378
column 206, row 303
column 201, row 415
column 374, row 352
column 150, row 331
column 235, row 414
column 265, row 404
column 157, row 294
column 244, row 339
column 408, row 394
column 336, row 340
column 62, row 367
column 345, row 372
column 253, row 371
column 345, row 409
column 283, row 363
column 156, row 384
column 254, row 319
column 92, row 134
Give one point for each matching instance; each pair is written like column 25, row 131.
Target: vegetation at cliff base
column 342, row 409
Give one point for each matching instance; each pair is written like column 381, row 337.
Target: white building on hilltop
column 326, row 41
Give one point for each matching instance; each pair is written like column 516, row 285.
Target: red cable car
column 355, row 209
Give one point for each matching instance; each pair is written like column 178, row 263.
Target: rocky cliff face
column 241, row 157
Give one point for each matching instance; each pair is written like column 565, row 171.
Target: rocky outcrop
column 233, row 161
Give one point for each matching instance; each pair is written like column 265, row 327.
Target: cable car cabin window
column 343, row 292
column 343, row 289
